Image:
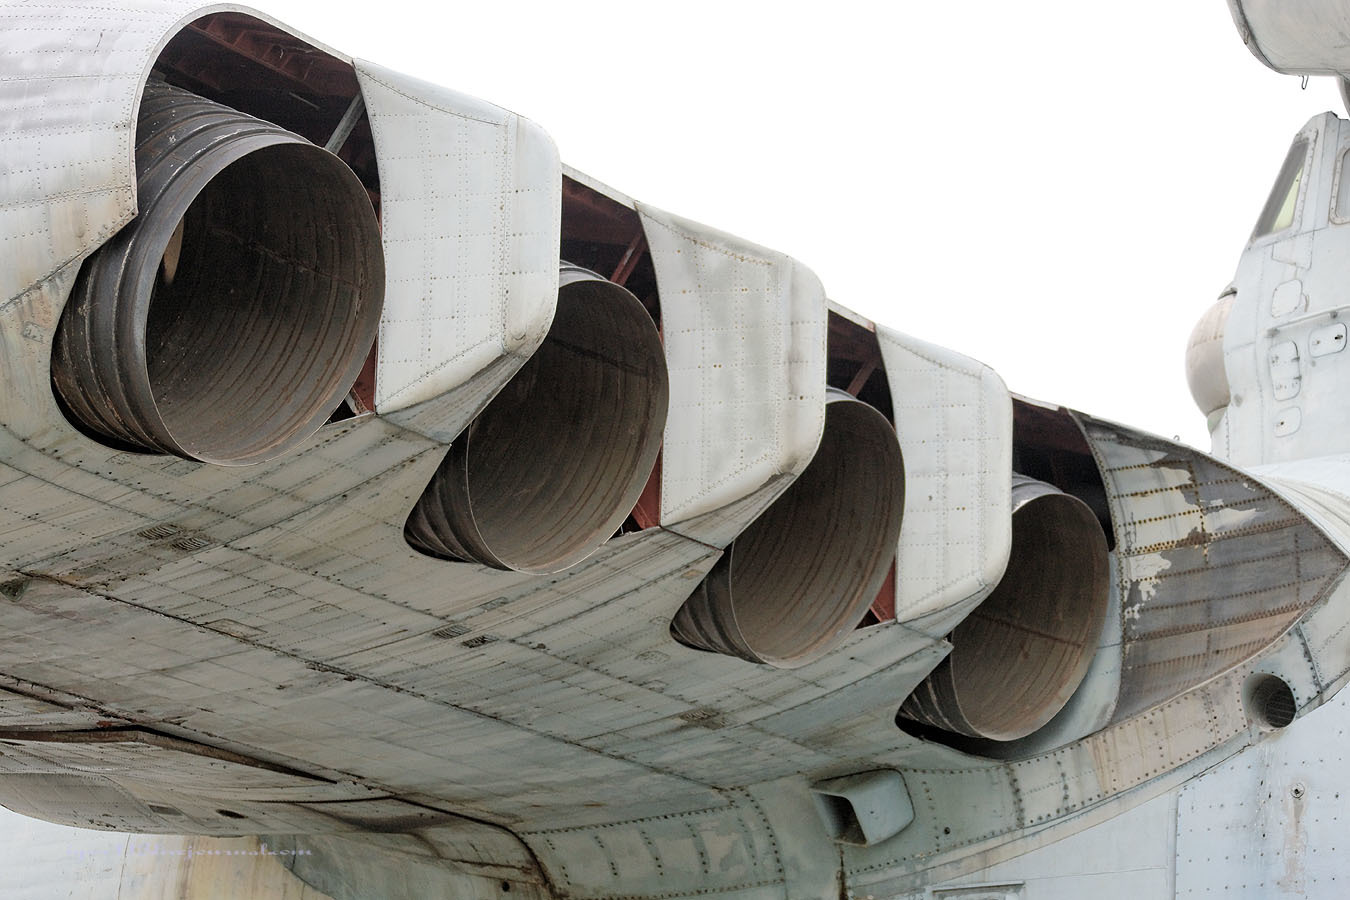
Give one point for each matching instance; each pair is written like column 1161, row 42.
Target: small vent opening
column 1270, row 701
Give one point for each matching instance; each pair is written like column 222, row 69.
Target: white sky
column 1056, row 188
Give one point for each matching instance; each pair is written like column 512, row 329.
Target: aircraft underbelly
column 522, row 537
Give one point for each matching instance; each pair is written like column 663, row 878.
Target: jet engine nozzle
column 1017, row 659
column 229, row 318
column 555, row 463
column 798, row 580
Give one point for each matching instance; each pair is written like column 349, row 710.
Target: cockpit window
column 1279, row 210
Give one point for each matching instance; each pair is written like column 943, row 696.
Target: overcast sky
column 1058, row 189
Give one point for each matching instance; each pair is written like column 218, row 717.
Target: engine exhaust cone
column 229, row 318
column 797, row 582
column 1018, row 658
column 555, row 463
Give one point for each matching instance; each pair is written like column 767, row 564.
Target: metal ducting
column 1018, row 658
column 555, row 463
column 800, row 578
column 230, row 317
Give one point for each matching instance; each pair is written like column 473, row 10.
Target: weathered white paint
column 277, row 613
column 953, row 417
column 744, row 329
column 1310, row 37
column 470, row 198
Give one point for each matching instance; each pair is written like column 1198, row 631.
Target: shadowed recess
column 798, row 580
column 1018, row 658
column 232, row 315
column 555, row 463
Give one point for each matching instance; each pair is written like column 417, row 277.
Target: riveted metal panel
column 745, row 332
column 727, row 852
column 471, row 197
column 1268, row 823
column 1125, row 858
column 1213, row 566
column 1286, row 381
column 953, row 416
column 70, row 82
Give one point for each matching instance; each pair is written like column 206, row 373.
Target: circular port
column 555, row 463
column 228, row 320
column 1269, row 701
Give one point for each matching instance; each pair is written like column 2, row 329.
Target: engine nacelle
column 796, row 582
column 553, row 465
column 1017, row 659
column 227, row 321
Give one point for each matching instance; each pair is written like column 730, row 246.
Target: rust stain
column 1294, row 878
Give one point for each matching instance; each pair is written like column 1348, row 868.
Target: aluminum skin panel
column 971, row 815
column 1287, row 395
column 40, row 860
column 953, row 417
column 1191, row 537
column 279, row 613
column 1311, row 37
column 471, row 199
column 70, row 83
column 71, row 76
column 400, row 867
column 1320, row 488
column 1126, row 858
column 730, row 852
column 1212, row 565
column 1268, row 823
column 745, row 332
